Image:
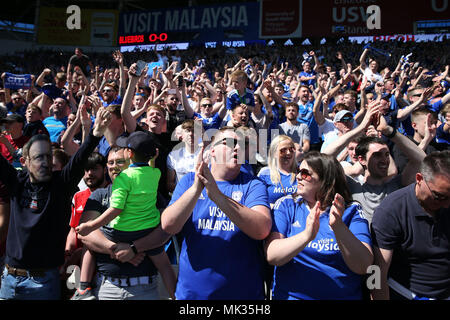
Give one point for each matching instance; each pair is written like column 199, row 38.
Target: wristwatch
column 132, row 246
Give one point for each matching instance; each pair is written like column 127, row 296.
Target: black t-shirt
column 34, row 128
column 99, row 201
column 40, row 212
column 420, row 244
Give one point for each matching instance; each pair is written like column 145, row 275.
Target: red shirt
column 16, row 143
column 78, row 202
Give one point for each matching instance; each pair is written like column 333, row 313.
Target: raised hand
column 336, row 210
column 313, row 222
column 102, row 121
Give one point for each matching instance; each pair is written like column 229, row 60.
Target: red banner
column 349, row 17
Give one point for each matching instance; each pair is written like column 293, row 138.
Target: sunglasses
column 207, row 105
column 346, row 119
column 436, row 196
column 304, row 174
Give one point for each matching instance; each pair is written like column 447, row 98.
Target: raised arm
column 405, row 112
column 362, row 59
column 336, row 147
column 125, row 110
column 181, row 94
column 318, row 115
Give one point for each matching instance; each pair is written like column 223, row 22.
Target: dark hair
column 38, row 137
column 331, row 176
column 292, row 104
column 94, row 159
column 437, row 162
column 363, row 146
column 61, row 156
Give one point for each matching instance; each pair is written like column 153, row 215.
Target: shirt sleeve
column 385, row 228
column 185, row 182
column 359, row 226
column 120, row 190
column 257, row 194
column 280, row 216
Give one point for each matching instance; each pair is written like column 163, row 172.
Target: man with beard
column 174, row 116
column 299, row 132
column 94, row 178
column 40, row 206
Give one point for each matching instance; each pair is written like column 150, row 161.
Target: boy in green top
column 132, row 212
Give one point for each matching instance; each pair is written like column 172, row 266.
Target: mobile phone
column 140, row 65
column 172, row 91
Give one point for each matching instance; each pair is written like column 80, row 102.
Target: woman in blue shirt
column 279, row 175
column 320, row 244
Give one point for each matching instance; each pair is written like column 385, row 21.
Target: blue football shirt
column 217, row 260
column 318, row 271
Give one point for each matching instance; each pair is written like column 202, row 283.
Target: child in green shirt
column 132, row 212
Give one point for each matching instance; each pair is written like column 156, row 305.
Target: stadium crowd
column 264, row 172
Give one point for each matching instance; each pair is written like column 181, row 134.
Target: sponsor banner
column 17, row 81
column 349, row 17
column 98, row 27
column 199, row 23
column 280, row 19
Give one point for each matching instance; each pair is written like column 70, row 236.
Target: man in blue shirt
column 222, row 214
column 57, row 123
column 306, row 115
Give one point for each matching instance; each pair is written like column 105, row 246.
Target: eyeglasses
column 304, row 174
column 436, row 196
column 107, row 90
column 207, row 105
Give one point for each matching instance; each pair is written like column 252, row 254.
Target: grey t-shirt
column 298, row 133
column 370, row 196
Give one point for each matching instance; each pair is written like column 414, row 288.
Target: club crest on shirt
column 236, row 196
column 33, row 204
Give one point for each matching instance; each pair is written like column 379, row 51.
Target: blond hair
column 272, row 159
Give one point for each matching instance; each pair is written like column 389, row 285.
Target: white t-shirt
column 182, row 161
column 372, row 77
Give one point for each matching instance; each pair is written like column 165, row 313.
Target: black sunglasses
column 207, row 105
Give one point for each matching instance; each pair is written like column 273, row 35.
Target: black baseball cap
column 13, row 117
column 140, row 142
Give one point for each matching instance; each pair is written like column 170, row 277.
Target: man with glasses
column 222, row 214
column 411, row 235
column 40, row 212
column 110, row 94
